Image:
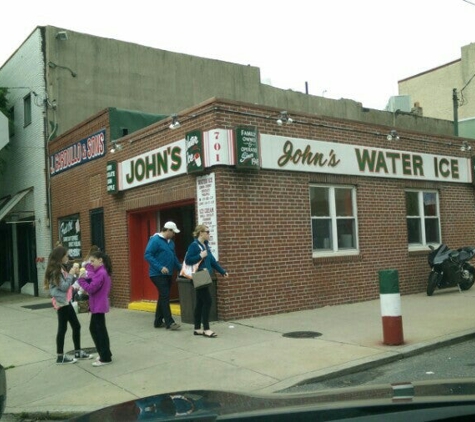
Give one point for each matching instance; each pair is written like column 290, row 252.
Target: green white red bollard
column 390, row 307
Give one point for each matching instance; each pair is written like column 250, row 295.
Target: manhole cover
column 302, row 334
column 38, row 306
column 86, row 349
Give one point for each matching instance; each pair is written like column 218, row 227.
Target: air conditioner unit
column 399, row 102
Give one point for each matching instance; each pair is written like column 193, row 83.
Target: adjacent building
column 446, row 92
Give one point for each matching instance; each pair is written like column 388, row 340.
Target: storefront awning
column 8, row 206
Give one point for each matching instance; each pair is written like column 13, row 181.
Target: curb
column 411, row 351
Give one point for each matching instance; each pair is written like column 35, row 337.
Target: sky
column 353, row 49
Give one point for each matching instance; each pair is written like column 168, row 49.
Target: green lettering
column 381, row 163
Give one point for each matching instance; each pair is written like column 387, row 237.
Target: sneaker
column 83, row 355
column 158, row 324
column 100, row 363
column 174, row 326
column 61, row 360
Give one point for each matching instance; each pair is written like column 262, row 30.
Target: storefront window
column 423, row 222
column 333, row 216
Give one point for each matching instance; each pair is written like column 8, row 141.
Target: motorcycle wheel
column 432, row 282
column 466, row 284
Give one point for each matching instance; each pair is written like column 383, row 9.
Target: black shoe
column 61, row 360
column 158, row 325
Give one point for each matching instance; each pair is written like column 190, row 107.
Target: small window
column 423, row 221
column 11, row 121
column 27, row 110
column 333, row 218
column 96, row 217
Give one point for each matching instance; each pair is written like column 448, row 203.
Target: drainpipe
column 456, row 114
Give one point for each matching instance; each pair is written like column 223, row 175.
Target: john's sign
column 294, row 154
column 159, row 164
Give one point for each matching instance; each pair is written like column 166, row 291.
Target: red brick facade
column 263, row 218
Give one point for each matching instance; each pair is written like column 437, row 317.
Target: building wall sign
column 70, row 235
column 194, row 152
column 206, row 208
column 81, row 152
column 152, row 166
column 247, row 147
column 243, row 146
column 295, row 154
column 112, row 180
column 218, row 147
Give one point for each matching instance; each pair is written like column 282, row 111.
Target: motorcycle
column 450, row 268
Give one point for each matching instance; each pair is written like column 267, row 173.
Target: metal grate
column 39, row 306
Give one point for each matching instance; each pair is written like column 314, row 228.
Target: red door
column 141, row 227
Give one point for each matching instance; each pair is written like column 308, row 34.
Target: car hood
column 405, row 401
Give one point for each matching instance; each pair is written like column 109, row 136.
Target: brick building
column 303, row 211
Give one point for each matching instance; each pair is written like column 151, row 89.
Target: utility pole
column 456, row 111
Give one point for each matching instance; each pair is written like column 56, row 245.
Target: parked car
column 3, row 390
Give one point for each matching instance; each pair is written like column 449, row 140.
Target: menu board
column 206, row 208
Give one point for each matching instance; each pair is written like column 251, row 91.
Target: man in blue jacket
column 160, row 254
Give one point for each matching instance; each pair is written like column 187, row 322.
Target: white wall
column 23, row 74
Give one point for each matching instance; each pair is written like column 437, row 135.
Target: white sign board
column 295, row 154
column 206, row 204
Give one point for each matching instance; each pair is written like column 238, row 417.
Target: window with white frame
column 423, row 221
column 333, row 216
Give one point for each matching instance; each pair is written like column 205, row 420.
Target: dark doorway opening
column 27, row 272
column 6, row 254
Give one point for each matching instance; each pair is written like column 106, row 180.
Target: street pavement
column 249, row 355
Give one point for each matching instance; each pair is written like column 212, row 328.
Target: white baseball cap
column 172, row 226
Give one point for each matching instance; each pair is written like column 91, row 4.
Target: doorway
column 142, row 225
column 27, row 271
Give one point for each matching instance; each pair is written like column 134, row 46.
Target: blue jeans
column 163, row 312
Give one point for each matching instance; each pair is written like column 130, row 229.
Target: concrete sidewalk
column 249, row 355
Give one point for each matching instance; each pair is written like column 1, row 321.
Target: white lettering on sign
column 81, row 152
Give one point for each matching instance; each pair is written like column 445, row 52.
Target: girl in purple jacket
column 97, row 284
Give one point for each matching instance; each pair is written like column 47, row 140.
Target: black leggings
column 202, row 308
column 100, row 336
column 67, row 314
